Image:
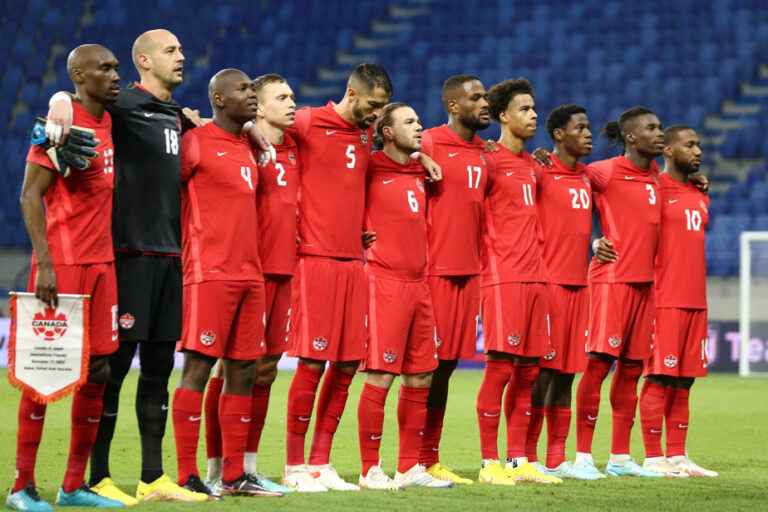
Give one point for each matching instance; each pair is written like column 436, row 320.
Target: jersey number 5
column 350, row 156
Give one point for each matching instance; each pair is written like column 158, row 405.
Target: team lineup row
column 271, row 229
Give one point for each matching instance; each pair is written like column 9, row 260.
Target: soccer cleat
column 194, row 484
column 84, row 497
column 330, row 479
column 586, row 469
column 300, row 479
column 569, row 470
column 27, row 500
column 527, row 472
column 441, row 472
column 683, row 463
column 165, row 489
column 247, row 485
column 662, row 465
column 271, row 485
column 418, row 476
column 630, row 468
column 494, row 473
column 377, row 479
column 107, row 488
column 214, row 485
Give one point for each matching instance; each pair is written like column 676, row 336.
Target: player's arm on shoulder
column 37, row 181
column 301, row 124
column 59, row 117
column 599, row 175
column 700, row 181
column 190, row 155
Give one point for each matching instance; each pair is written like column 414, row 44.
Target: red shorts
column 621, row 319
column 329, row 305
column 97, row 280
column 224, row 319
column 679, row 343
column 278, row 308
column 568, row 321
column 401, row 326
column 456, row 303
column 515, row 319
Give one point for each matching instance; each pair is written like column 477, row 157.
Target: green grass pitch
column 728, row 431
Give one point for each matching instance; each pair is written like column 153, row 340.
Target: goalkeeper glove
column 76, row 152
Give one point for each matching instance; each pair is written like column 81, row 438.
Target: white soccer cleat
column 683, row 463
column 330, row 479
column 662, row 465
column 377, row 479
column 301, row 479
column 417, row 476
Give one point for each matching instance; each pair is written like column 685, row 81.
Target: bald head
column 225, row 80
column 158, row 56
column 87, row 56
column 93, row 70
column 150, row 42
column 233, row 98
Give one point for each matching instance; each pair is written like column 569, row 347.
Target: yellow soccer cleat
column 443, row 473
column 529, row 473
column 107, row 488
column 164, row 489
column 495, row 474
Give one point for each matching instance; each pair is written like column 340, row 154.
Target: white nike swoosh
column 629, row 177
column 672, row 201
column 148, row 114
column 451, row 155
column 527, row 413
column 591, row 418
column 35, row 417
column 109, row 414
column 491, row 415
column 655, row 431
column 681, row 426
column 303, row 418
column 245, row 420
column 387, row 182
column 558, row 178
column 93, row 420
column 375, row 437
column 221, row 153
column 163, row 407
column 435, row 449
column 510, row 173
column 330, row 132
column 194, row 418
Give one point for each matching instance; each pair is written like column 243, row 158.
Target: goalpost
column 753, row 303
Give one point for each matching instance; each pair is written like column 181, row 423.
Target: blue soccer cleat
column 84, row 497
column 27, row 500
column 271, row 485
column 630, row 468
column 582, row 471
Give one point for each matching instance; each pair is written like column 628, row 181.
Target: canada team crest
column 207, row 338
column 127, row 320
column 319, row 343
column 389, row 357
column 49, row 324
column 550, row 355
column 614, row 341
column 292, row 157
column 364, row 138
column 670, row 361
column 513, row 339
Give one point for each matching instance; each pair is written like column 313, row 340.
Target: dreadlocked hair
column 614, row 131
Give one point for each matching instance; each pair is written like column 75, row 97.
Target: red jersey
column 395, row 211
column 627, row 198
column 681, row 263
column 219, row 219
column 455, row 204
column 277, row 208
column 564, row 201
column 334, row 156
column 78, row 209
column 512, row 233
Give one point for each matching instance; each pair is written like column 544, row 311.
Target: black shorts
column 148, row 297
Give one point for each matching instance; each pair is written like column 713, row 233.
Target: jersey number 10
column 693, row 220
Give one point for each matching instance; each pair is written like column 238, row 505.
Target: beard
column 360, row 120
column 474, row 123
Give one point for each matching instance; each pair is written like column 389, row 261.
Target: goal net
column 753, row 304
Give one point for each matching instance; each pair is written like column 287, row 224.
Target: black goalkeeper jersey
column 147, row 205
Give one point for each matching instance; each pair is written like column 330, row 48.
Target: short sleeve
column 37, row 155
column 190, row 155
column 600, row 175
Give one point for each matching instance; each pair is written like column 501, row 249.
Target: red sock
column 652, row 399
column 677, row 422
column 330, row 407
column 429, row 453
column 495, row 378
column 411, row 414
column 370, row 424
column 588, row 402
column 86, row 415
column 558, row 425
column 235, row 420
column 624, row 405
column 534, row 431
column 31, row 419
column 519, row 418
column 187, row 407
column 259, row 407
column 212, row 427
column 301, row 399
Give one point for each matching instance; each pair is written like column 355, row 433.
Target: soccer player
column 401, row 324
column 329, row 288
column 514, row 293
column 147, row 132
column 277, row 208
column 68, row 221
column 679, row 349
column 223, row 280
column 626, row 194
column 564, row 200
column 454, row 225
